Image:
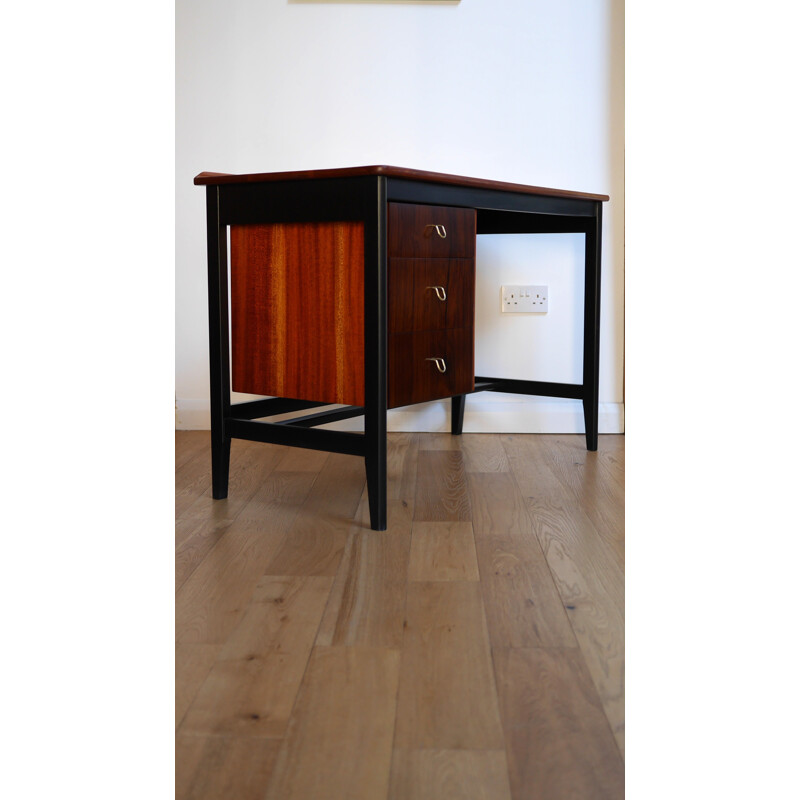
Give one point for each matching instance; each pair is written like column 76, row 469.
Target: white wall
column 528, row 91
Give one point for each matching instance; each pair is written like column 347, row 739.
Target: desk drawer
column 430, row 365
column 431, row 294
column 416, row 231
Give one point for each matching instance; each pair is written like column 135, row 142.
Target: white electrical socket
column 524, row 299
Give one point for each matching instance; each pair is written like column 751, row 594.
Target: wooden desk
column 356, row 287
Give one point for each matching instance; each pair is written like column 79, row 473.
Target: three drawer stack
column 431, row 300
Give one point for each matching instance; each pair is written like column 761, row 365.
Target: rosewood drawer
column 414, row 374
column 431, row 293
column 417, row 231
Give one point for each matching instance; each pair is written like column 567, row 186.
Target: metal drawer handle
column 440, row 365
column 440, row 230
column 440, row 292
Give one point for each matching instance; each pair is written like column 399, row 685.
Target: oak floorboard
column 534, row 640
column 339, row 486
column 192, row 480
column 401, row 466
column 439, row 441
column 441, row 493
column 611, row 458
column 498, row 507
column 314, row 546
column 339, row 741
column 316, row 541
column 223, row 767
column 523, row 606
column 198, row 538
column 601, row 499
column 484, row 452
column 367, row 602
column 252, row 685
column 193, row 662
column 251, row 464
column 189, row 444
column 443, row 551
column 558, row 741
column 611, row 455
column 300, row 459
column 451, row 774
column 585, row 570
column 214, row 597
column 549, row 500
column 446, row 698
column 193, row 476
column 594, row 608
column 194, row 540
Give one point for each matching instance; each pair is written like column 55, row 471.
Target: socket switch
column 524, row 299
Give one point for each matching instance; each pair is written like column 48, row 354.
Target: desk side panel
column 297, row 310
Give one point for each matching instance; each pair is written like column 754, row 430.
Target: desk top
column 217, row 178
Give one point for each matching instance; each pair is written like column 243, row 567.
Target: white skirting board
column 513, row 415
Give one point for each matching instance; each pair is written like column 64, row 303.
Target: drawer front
column 431, row 294
column 416, row 231
column 430, row 365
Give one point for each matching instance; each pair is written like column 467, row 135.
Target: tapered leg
column 375, row 358
column 218, row 350
column 457, row 414
column 591, row 329
column 220, row 465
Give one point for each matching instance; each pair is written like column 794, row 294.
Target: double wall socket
column 524, row 299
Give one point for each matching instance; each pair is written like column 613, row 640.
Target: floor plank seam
column 402, row 653
column 233, row 520
column 553, row 577
column 571, row 512
column 503, row 723
column 227, row 528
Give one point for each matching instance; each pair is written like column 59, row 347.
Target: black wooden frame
column 365, row 199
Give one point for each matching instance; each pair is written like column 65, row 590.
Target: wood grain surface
column 586, row 570
column 441, row 487
column 316, row 541
column 523, row 606
column 446, row 698
column 414, row 306
column 193, row 662
column 498, row 507
column 474, row 649
column 401, row 467
column 452, row 774
column 414, row 378
column 367, row 604
column 214, row 598
column 297, row 310
column 558, row 741
column 252, row 686
column 443, row 551
column 339, row 743
column 216, row 767
column 415, row 231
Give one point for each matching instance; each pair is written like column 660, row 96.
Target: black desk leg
column 375, row 359
column 457, row 415
column 218, row 350
column 591, row 329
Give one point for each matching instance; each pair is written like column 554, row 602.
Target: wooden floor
column 473, row 650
